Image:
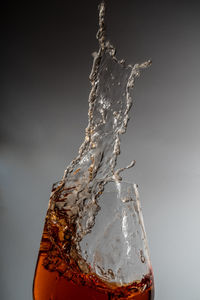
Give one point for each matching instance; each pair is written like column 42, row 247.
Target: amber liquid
column 52, row 285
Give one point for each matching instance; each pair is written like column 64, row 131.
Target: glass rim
column 111, row 181
column 114, row 186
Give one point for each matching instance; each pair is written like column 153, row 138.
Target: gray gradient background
column 46, row 63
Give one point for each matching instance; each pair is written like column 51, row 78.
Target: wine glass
column 110, row 261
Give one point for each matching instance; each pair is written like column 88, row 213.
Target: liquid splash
column 74, row 203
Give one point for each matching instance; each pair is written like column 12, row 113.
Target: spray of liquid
column 74, row 203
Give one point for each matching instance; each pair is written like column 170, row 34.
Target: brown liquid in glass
column 52, row 285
